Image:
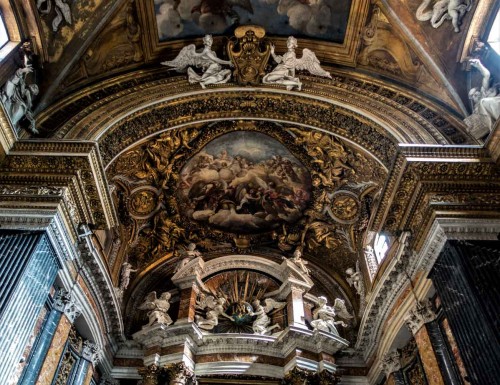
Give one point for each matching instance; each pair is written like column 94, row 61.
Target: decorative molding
column 64, row 303
column 91, row 352
column 391, row 363
column 421, row 314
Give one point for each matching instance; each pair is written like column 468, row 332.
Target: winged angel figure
column 324, row 315
column 214, row 308
column 261, row 323
column 284, row 72
column 157, row 307
column 207, row 60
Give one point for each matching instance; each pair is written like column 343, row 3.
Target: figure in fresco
column 62, row 9
column 485, row 101
column 157, row 308
column 284, row 72
column 207, row 60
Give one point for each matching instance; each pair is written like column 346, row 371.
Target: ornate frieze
column 391, row 362
column 91, row 352
column 64, row 303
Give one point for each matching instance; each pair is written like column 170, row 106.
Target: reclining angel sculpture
column 284, row 72
column 214, row 308
column 213, row 73
column 324, row 315
column 261, row 323
column 157, row 307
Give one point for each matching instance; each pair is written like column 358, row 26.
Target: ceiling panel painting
column 323, row 19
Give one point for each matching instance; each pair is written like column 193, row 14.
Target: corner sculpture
column 158, row 308
column 186, row 256
column 214, row 308
column 206, row 59
column 288, row 63
column 485, row 102
column 324, row 315
column 442, row 10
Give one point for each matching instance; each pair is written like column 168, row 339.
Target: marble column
column 295, row 307
column 187, row 304
column 421, row 314
column 149, row 375
column 43, row 365
column 391, row 366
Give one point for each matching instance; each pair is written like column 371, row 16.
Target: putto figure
column 214, row 308
column 158, row 308
column 207, row 60
column 284, row 72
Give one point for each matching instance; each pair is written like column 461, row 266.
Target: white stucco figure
column 214, row 309
column 125, row 275
column 324, row 315
column 297, row 259
column 207, row 60
column 17, row 98
column 355, row 279
column 262, row 322
column 284, row 72
column 442, row 10
column 485, row 101
column 187, row 255
column 63, row 11
column 158, row 308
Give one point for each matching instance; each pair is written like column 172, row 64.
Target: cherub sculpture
column 207, row 60
column 324, row 315
column 485, row 101
column 355, row 279
column 157, row 307
column 297, row 259
column 214, row 308
column 261, row 323
column 284, row 72
column 187, row 255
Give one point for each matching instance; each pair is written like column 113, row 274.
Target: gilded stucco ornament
column 442, row 10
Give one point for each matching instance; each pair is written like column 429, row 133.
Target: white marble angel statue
column 187, row 255
column 284, row 72
column 485, row 101
column 157, row 307
column 261, row 323
column 214, row 308
column 207, row 60
column 324, row 315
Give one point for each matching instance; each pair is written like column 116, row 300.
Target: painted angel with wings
column 157, row 307
column 207, row 60
column 324, row 315
column 261, row 323
column 284, row 72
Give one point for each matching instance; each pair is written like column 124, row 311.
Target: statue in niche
column 262, row 322
column 211, row 65
column 214, row 309
column 187, row 255
column 442, row 10
column 301, row 263
column 324, row 315
column 284, row 72
column 485, row 101
column 158, row 308
column 17, row 98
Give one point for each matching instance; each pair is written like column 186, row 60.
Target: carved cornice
column 64, row 303
column 408, row 117
column 91, row 352
column 391, row 363
column 42, row 170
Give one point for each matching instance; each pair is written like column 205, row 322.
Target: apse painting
column 244, row 182
column 325, row 19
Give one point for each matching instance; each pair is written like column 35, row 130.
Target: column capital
column 149, row 374
column 64, row 303
column 391, row 362
column 421, row 314
column 91, row 352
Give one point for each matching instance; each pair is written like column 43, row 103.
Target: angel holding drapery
column 284, row 72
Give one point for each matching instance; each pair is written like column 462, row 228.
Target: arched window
column 494, row 36
column 380, row 246
column 4, row 35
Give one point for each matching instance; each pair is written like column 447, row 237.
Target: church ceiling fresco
column 325, row 19
column 229, row 188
